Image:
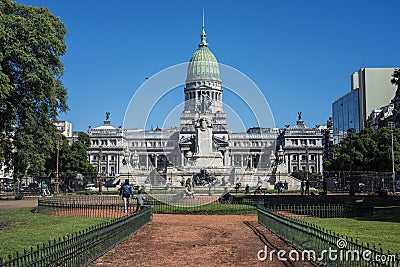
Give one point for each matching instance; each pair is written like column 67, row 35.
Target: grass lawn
column 213, row 209
column 21, row 228
column 381, row 229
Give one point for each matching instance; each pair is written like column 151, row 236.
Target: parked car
column 7, row 189
column 90, row 187
column 397, row 185
column 32, row 188
column 110, row 184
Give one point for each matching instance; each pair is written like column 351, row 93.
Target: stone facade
column 166, row 157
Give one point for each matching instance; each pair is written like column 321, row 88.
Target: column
column 241, row 161
column 299, row 162
column 320, row 163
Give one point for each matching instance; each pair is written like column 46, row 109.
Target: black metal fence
column 323, row 245
column 86, row 206
column 81, row 248
column 363, row 181
column 112, row 206
column 302, row 211
column 197, row 206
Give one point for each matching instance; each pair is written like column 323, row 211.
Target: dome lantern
column 203, row 65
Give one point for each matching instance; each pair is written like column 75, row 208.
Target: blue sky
column 299, row 53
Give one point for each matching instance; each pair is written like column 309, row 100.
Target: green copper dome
column 203, row 65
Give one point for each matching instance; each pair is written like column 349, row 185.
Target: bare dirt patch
column 197, row 240
column 16, row 204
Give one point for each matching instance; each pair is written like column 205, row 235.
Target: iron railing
column 81, row 248
column 112, row 206
column 303, row 211
column 316, row 242
column 198, row 206
column 85, row 206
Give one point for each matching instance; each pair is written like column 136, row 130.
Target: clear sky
column 299, row 53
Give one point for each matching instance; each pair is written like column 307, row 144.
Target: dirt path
column 190, row 240
column 15, row 204
column 196, row 240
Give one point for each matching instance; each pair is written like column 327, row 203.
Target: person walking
column 45, row 190
column 126, row 192
column 140, row 201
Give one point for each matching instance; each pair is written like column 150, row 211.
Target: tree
column 73, row 159
column 31, row 91
column 396, row 80
column 368, row 150
column 396, row 100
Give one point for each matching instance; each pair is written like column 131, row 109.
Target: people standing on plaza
column 189, row 191
column 126, row 192
column 307, row 187
column 247, row 190
column 140, row 201
column 279, row 187
column 325, row 187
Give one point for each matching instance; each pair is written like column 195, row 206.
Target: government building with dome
column 203, row 143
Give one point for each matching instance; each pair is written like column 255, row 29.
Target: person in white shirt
column 140, row 201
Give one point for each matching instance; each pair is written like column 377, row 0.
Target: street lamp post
column 56, row 182
column 350, row 133
column 391, row 124
column 307, row 164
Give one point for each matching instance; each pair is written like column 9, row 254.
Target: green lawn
column 382, row 229
column 21, row 228
column 206, row 209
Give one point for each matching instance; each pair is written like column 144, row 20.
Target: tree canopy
column 31, row 90
column 368, row 150
column 72, row 159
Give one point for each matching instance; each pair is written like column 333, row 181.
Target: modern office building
column 346, row 115
column 371, row 89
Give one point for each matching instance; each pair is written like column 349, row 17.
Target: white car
column 90, row 187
